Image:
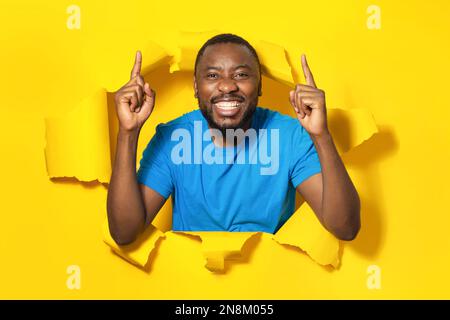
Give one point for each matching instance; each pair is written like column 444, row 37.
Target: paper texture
column 78, row 143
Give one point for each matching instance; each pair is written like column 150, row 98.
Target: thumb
column 149, row 99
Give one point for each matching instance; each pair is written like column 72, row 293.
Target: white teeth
column 227, row 104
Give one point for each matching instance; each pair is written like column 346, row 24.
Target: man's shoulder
column 184, row 121
column 272, row 119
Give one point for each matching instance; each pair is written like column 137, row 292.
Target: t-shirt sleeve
column 154, row 170
column 304, row 158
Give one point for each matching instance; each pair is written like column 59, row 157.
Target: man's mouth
column 228, row 105
column 227, row 108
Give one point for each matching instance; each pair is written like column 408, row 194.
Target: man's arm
column 131, row 206
column 331, row 193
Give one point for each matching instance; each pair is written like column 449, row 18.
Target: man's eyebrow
column 244, row 65
column 212, row 68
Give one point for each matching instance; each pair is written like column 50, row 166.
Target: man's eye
column 211, row 75
column 242, row 75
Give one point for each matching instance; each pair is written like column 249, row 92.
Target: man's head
column 227, row 81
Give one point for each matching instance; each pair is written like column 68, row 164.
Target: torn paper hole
column 78, row 146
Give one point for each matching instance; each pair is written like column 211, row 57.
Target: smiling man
column 215, row 161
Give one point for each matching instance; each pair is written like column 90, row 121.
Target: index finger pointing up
column 307, row 72
column 137, row 65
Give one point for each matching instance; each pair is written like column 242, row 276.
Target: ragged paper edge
column 350, row 127
column 304, row 231
column 189, row 43
column 139, row 251
column 218, row 247
column 77, row 144
column 274, row 63
column 154, row 56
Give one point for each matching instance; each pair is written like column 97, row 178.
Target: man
column 216, row 192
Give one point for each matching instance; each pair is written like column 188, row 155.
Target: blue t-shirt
column 249, row 187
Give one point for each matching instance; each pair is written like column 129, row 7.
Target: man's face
column 227, row 85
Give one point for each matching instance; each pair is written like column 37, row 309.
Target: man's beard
column 246, row 119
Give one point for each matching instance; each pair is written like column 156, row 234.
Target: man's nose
column 228, row 85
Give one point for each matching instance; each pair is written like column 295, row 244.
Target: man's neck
column 221, row 141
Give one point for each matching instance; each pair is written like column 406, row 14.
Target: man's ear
column 195, row 88
column 260, row 88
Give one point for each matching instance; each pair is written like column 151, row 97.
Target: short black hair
column 226, row 38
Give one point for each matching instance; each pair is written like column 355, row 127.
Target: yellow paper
column 153, row 57
column 272, row 57
column 78, row 143
column 273, row 62
column 189, row 45
column 400, row 172
column 304, row 231
column 139, row 251
column 350, row 128
column 220, row 246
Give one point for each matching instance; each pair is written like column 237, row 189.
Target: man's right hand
column 135, row 100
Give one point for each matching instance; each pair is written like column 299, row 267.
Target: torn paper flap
column 77, row 144
column 350, row 128
column 220, row 246
column 272, row 57
column 274, row 63
column 153, row 57
column 163, row 220
column 188, row 46
column 139, row 251
column 115, row 76
column 304, row 231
